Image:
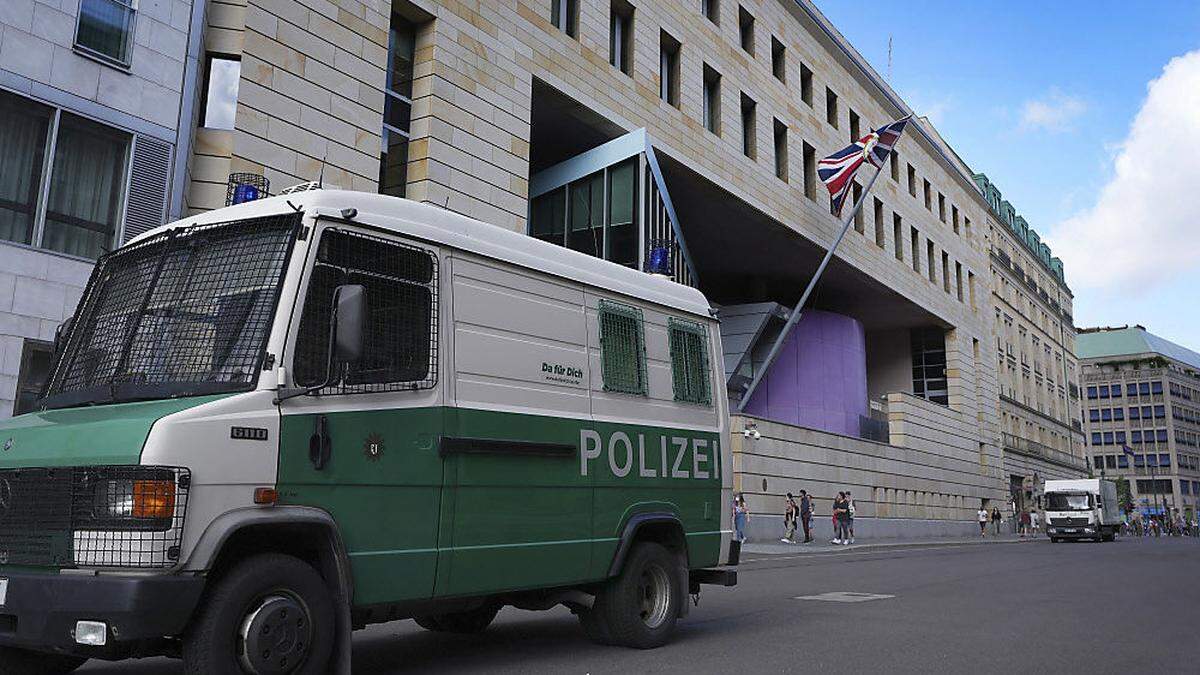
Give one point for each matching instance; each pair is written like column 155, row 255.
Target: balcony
column 1024, row 446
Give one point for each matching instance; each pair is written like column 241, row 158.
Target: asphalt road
column 1131, row 606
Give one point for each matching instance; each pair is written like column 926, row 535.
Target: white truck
column 1082, row 509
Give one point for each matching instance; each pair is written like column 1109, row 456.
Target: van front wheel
column 269, row 614
column 638, row 608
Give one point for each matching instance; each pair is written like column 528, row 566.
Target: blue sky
column 1052, row 100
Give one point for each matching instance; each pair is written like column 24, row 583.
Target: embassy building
column 680, row 138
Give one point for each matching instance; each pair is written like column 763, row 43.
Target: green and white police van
column 275, row 423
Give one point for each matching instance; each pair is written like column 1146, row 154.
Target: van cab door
column 363, row 447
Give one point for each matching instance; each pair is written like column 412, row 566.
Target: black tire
column 267, row 592
column 470, row 622
column 1054, row 540
column 639, row 608
column 14, row 661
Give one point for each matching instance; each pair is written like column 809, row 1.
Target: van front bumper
column 40, row 610
column 1078, row 532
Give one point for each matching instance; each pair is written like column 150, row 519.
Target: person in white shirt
column 1033, row 516
column 983, row 521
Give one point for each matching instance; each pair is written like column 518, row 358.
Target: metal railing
column 1030, row 448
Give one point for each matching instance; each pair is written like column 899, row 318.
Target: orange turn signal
column 265, row 496
column 153, row 499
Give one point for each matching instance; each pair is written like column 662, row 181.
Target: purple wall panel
column 819, row 379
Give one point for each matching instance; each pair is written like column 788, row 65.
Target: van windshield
column 1068, row 501
column 184, row 313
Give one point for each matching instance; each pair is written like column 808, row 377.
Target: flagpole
column 794, row 318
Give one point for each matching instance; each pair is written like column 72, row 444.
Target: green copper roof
column 1130, row 341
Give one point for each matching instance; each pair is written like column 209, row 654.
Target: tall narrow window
column 806, row 84
column 105, row 29
column 916, row 249
column 781, row 150
column 958, row 280
column 778, row 59
column 854, row 127
column 711, row 9
column 712, row 100
column 585, row 215
column 221, row 78
column 620, row 36
column 564, row 14
column 894, row 163
column 746, row 29
column 397, row 107
column 831, row 107
column 971, row 288
column 87, row 187
column 945, row 271
column 912, row 180
column 931, row 258
column 856, row 192
column 898, row 236
column 967, row 226
column 941, row 207
column 928, row 196
column 621, row 242
column 880, row 236
column 954, row 218
column 622, row 348
column 810, row 172
column 24, row 127
column 668, row 69
column 749, row 144
column 929, row 364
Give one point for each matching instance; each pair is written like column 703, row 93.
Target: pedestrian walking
column 741, row 517
column 806, row 515
column 1024, row 524
column 996, row 521
column 790, row 513
column 1034, row 517
column 850, row 510
column 983, row 521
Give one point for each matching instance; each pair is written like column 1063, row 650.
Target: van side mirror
column 349, row 318
column 61, row 334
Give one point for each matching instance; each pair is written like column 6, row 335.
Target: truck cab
column 272, row 424
column 1081, row 509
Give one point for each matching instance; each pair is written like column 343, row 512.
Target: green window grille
column 623, row 348
column 689, row 362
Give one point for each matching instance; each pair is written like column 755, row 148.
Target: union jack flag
column 837, row 170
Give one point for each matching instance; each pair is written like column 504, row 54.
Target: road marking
column 844, row 596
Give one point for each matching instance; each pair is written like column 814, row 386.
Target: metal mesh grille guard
column 186, row 312
column 103, row 516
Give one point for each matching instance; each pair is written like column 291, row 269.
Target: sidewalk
column 823, row 546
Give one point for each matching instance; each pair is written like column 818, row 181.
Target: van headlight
column 135, row 499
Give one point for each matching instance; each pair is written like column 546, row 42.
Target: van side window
column 622, row 348
column 401, row 331
column 689, row 362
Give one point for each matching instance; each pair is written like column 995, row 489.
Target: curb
column 830, row 550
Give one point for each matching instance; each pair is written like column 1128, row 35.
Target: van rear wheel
column 269, row 614
column 640, row 607
column 14, row 661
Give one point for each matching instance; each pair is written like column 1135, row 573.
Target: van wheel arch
column 662, row 528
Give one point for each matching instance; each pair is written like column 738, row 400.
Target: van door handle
column 319, row 444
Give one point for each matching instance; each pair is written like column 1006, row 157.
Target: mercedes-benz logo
column 8, row 445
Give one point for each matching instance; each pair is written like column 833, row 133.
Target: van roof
column 441, row 226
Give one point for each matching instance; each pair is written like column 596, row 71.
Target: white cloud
column 932, row 107
column 1055, row 111
column 1141, row 231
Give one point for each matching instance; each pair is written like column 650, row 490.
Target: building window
column 1091, row 392
column 105, row 29
column 1104, row 391
column 620, row 37
column 929, row 365
column 930, row 255
column 954, row 218
column 221, row 76
column 87, row 187
column 781, row 150
column 778, row 59
column 24, row 130
column 749, row 146
column 564, row 14
column 946, row 272
column 35, row 366
column 806, row 84
column 912, row 180
column 854, row 127
column 1094, row 415
column 880, row 236
column 856, row 192
column 1144, row 388
column 711, row 9
column 712, row 100
column 689, row 362
column 928, row 191
column 1095, row 438
column 622, row 348
column 397, row 107
column 1106, row 415
column 916, row 247
column 941, row 207
column 810, row 172
column 746, row 30
column 894, row 164
column 898, row 236
column 958, row 281
column 831, row 107
column 668, row 69
column 576, row 216
column 1156, row 387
